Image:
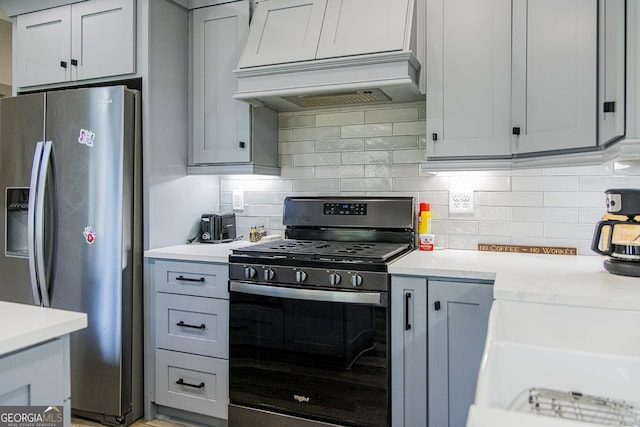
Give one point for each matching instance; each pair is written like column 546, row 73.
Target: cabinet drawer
column 195, row 324
column 192, row 278
column 192, row 383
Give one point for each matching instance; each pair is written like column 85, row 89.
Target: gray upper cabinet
column 516, row 80
column 81, row 41
column 468, row 78
column 554, row 72
column 611, row 96
column 228, row 136
column 285, row 31
column 42, row 44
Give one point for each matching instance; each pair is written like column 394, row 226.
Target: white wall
column 378, row 150
column 173, row 200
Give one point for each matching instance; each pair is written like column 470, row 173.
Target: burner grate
column 312, row 249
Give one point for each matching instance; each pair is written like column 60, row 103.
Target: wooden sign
column 538, row 250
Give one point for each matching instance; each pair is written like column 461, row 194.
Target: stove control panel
column 278, row 275
column 345, row 209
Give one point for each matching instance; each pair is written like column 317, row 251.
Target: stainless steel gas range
column 309, row 314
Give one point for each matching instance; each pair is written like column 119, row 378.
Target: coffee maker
column 618, row 235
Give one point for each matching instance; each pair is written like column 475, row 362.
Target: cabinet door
column 468, row 78
column 458, row 315
column 43, row 41
column 103, row 38
column 611, row 105
column 38, row 375
column 283, row 31
column 348, row 31
column 221, row 125
column 408, row 351
column 554, row 74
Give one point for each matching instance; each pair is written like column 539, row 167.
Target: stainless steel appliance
column 70, row 184
column 618, row 235
column 309, row 314
column 217, row 228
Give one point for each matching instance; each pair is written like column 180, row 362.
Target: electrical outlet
column 238, row 200
column 461, row 202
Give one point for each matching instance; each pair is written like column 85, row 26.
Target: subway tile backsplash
column 376, row 150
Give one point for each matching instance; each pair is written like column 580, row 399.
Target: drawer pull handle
column 186, row 325
column 181, row 382
column 189, row 279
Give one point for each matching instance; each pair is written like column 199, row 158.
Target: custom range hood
column 323, row 53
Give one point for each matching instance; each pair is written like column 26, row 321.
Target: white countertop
column 559, row 279
column 26, row 325
column 207, row 252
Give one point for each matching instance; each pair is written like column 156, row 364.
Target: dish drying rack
column 586, row 408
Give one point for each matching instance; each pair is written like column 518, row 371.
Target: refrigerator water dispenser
column 17, row 206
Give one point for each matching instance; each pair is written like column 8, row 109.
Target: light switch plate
column 238, row 200
column 461, row 202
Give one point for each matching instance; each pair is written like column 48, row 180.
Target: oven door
column 314, row 354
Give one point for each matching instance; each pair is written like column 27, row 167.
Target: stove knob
column 301, row 276
column 268, row 274
column 249, row 272
column 356, row 280
column 334, row 279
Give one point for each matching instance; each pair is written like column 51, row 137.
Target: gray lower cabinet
column 457, row 317
column 39, row 376
column 190, row 342
column 408, row 351
column 437, row 338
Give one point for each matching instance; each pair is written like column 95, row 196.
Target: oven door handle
column 379, row 299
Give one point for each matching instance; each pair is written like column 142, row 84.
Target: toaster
column 217, row 227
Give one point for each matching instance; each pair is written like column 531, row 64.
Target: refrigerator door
column 21, row 128
column 93, row 148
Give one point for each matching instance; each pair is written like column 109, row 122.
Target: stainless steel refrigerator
column 70, row 175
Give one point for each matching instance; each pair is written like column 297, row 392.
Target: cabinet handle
column 241, row 144
column 186, row 325
column 609, row 107
column 436, row 305
column 434, row 136
column 63, row 64
column 407, row 325
column 515, row 131
column 74, row 62
column 189, row 279
column 181, row 382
